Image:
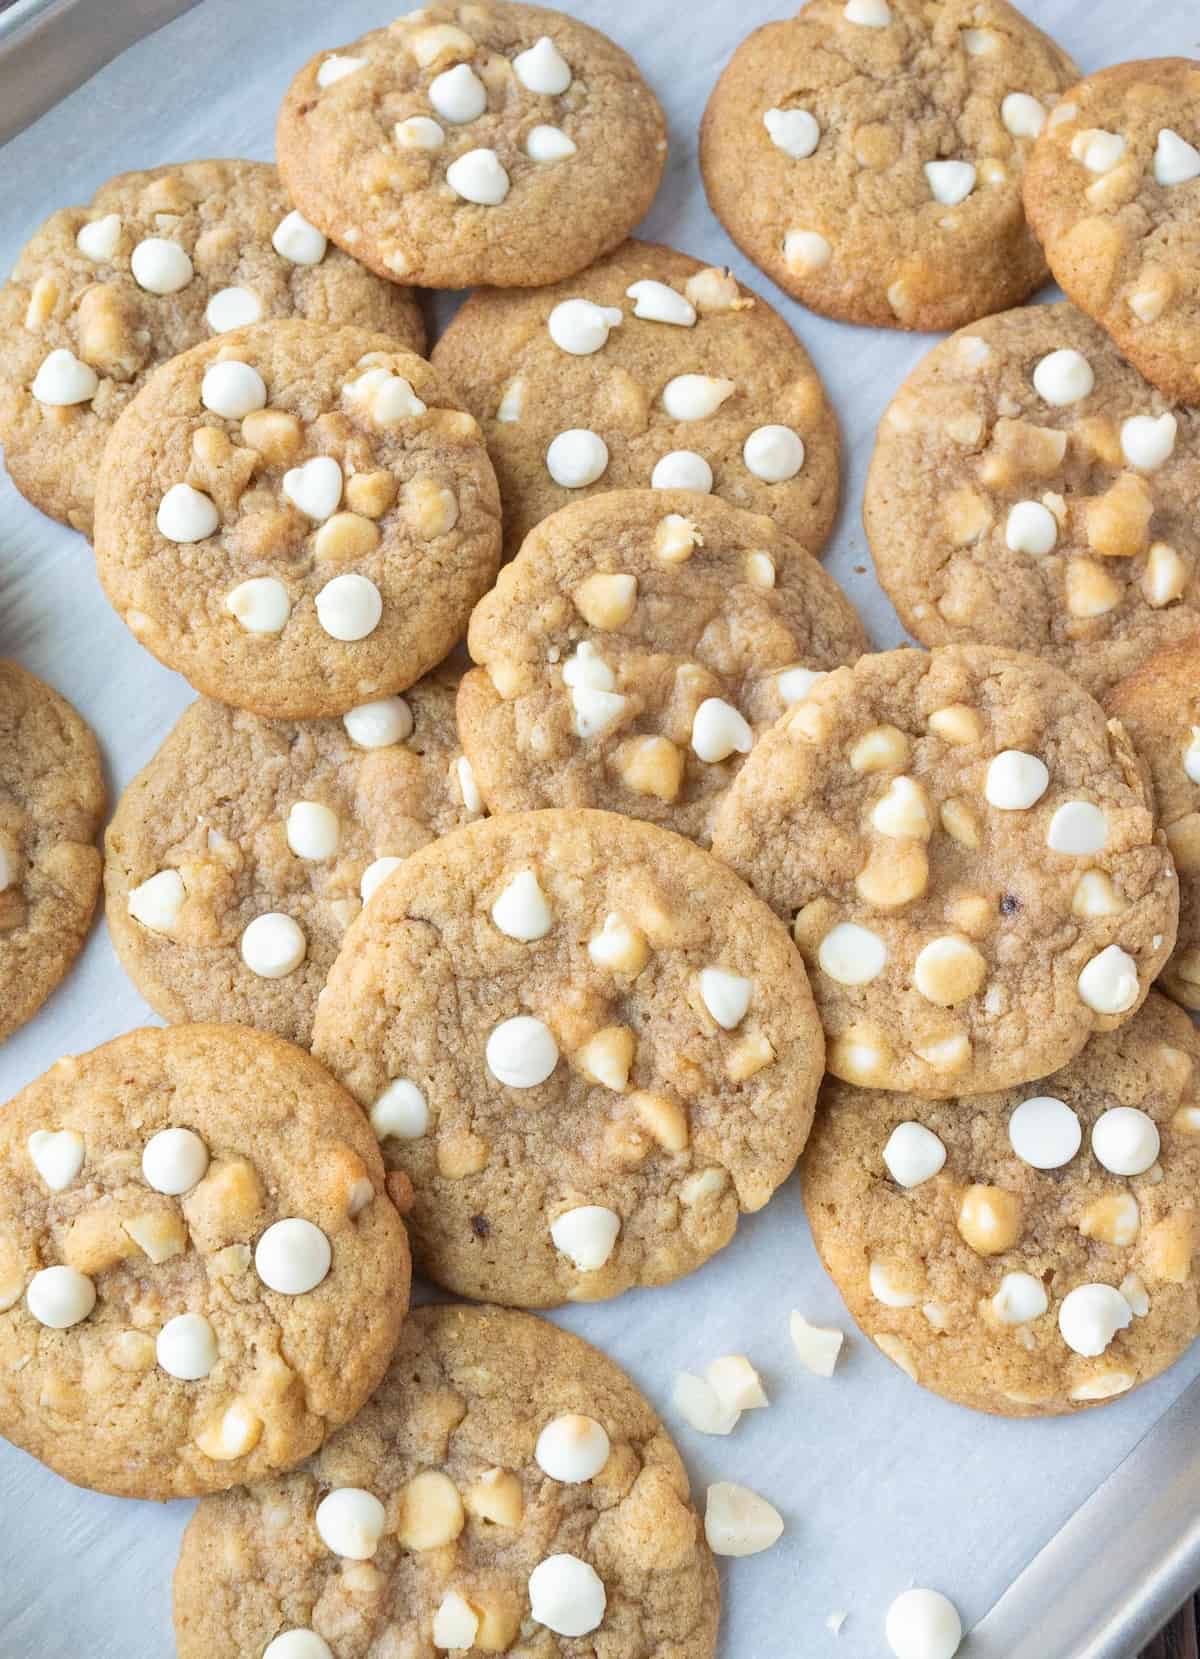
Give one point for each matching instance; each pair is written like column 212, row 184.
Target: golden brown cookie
column 239, row 856
column 507, row 1489
column 298, row 518
column 648, row 370
column 1159, row 707
column 867, row 154
column 1030, row 490
column 52, row 801
column 156, row 263
column 967, row 853
column 1113, row 191
column 633, row 650
column 201, row 1271
column 504, row 144
column 1029, row 1252
column 588, row 1045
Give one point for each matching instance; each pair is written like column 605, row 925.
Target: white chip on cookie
column 586, row 1235
column 1175, row 160
column 295, row 240
column 572, row 1449
column 1063, row 377
column 174, row 1160
column 349, row 607
column 658, row 302
column 99, row 238
column 726, row 996
column 379, row 724
column 273, row 945
column 186, row 514
column 57, row 1155
column 522, row 910
column 1090, row 1316
column 458, row 95
column 1125, row 1140
column 548, row 144
column 567, row 1595
column 186, row 1347
column 1016, row 780
column 401, row 1110
column 292, row 1256
column 157, row 901
column 233, row 308
column 59, row 1297
column 350, row 1522
column 479, row 177
column 232, row 389
column 62, row 380
column 794, row 131
column 521, row 1052
column 682, row 469
column 1109, row 982
column 774, row 453
column 542, row 69
column 1044, row 1132
column 313, row 830
column 576, row 458
column 950, row 182
column 913, row 1154
column 581, row 327
column 160, row 266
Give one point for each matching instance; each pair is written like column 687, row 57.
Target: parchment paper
column 881, row 1484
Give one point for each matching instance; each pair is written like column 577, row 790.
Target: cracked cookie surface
column 52, row 800
column 200, row 1272
column 474, row 144
column 867, row 154
column 585, row 1042
column 298, row 518
column 156, row 263
column 635, row 648
column 1030, row 1252
column 495, row 1445
column 967, row 853
column 1029, row 489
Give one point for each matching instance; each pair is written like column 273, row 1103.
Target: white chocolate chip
column 1098, row 150
column 950, row 182
column 350, row 1522
column 1063, row 377
column 418, row 132
column 521, row 1052
column 174, row 1161
column 852, row 955
column 298, row 1644
column 682, row 469
column 1109, row 982
column 522, row 911
column 868, row 14
column 547, row 144
column 156, row 902
column 736, row 1520
column 1125, row 1140
column 773, row 453
column 1020, row 1298
column 725, row 995
column 1134, row 1291
column 187, row 1347
column 543, row 69
column 160, row 266
column 455, row 1623
column 902, row 811
column 59, row 1297
column 794, row 131
column 467, row 787
column 817, row 1346
column 1030, row 528
column 1044, row 1132
column 336, row 67
column 186, row 515
column 885, row 1289
column 1090, row 1316
column 233, row 308
column 806, row 250
column 1077, row 828
column 314, row 488
column 576, row 458
column 380, row 724
column 619, row 946
column 313, row 830
column 1148, row 443
column 736, row 1383
column 349, row 607
column 586, row 667
column 1175, row 160
column 401, row 1110
column 273, row 945
column 923, row 1624
column 233, row 389
column 572, row 1449
column 479, row 177
column 99, row 239
column 390, row 398
column 261, row 605
column 693, row 397
column 57, row 1155
column 696, row 1402
column 1165, row 577
column 658, row 303
column 718, row 731
column 374, row 876
column 794, row 684
column 1016, row 780
column 595, row 711
column 913, row 1154
column 292, row 1256
column 1023, row 114
column 63, row 380
column 586, row 1235
column 580, row 327
column 566, row 1595
column 458, row 95
column 294, row 239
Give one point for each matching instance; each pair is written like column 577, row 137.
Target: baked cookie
column 201, row 1273
column 52, row 801
column 298, row 518
column 650, row 369
column 239, row 856
column 1028, row 1252
column 1159, row 707
column 506, row 1481
column 1111, row 189
column 634, row 648
column 1029, row 489
column 968, row 854
column 156, row 263
column 480, row 143
column 867, row 155
column 585, row 1042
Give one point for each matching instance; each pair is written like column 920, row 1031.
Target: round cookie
column 585, row 1042
column 1028, row 1252
column 867, row 155
column 496, row 1446
column 504, row 144
column 52, row 801
column 1159, row 707
column 669, row 373
column 968, row 855
column 634, row 648
column 298, row 518
column 237, row 858
column 156, row 263
column 1030, row 490
column 1111, row 189
column 200, row 1272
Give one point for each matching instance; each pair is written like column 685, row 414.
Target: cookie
column 298, row 518
column 52, row 802
column 1030, row 490
column 239, row 856
column 633, row 650
column 507, row 1481
column 1026, row 1252
column 584, row 1041
column 968, row 854
column 1159, row 707
column 649, row 370
column 201, row 1271
column 1111, row 189
column 867, row 155
column 484, row 143
column 158, row 262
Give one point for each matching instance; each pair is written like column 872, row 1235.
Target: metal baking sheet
column 1068, row 1539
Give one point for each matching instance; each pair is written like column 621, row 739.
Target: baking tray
column 1067, row 1539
